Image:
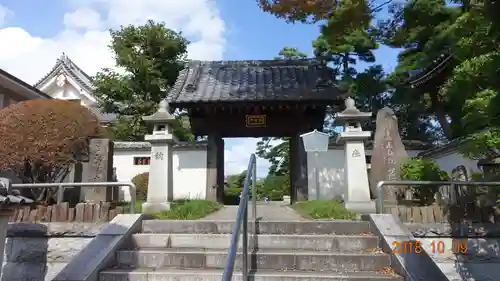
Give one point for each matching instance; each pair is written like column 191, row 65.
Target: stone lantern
column 160, row 185
column 357, row 188
column 9, row 200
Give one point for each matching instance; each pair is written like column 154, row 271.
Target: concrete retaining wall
column 38, row 252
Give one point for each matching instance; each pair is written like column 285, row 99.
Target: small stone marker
column 388, row 154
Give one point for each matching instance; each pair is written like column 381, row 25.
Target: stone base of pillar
column 361, row 207
column 155, row 207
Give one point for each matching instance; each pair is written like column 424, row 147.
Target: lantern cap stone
column 162, row 115
column 351, row 113
column 350, row 103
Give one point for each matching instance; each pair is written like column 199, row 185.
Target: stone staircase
column 286, row 251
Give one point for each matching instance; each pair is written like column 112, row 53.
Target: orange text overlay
column 458, row 246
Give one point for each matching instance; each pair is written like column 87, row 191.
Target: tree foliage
column 311, row 11
column 141, row 182
column 420, row 169
column 275, row 187
column 40, row 140
column 150, row 57
column 462, row 99
column 236, row 181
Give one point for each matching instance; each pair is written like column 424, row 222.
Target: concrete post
column 4, row 223
column 9, row 199
column 160, row 187
column 357, row 189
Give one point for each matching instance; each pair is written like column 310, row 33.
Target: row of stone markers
column 356, row 195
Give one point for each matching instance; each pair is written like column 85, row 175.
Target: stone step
column 339, row 227
column 216, row 275
column 262, row 259
column 264, row 241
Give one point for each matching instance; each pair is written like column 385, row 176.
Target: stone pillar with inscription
column 357, row 189
column 99, row 169
column 388, row 155
column 160, row 186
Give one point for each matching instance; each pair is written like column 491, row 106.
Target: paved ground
column 264, row 212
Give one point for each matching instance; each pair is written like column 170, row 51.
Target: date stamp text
column 458, row 246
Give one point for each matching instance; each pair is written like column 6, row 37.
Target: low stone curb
column 100, row 252
column 407, row 263
column 54, row 229
column 474, row 230
column 338, row 227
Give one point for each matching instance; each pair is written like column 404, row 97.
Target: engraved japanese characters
column 388, row 154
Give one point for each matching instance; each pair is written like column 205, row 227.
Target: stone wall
column 461, row 251
column 37, row 252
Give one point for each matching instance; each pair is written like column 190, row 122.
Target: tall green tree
column 465, row 101
column 473, row 88
column 419, row 27
column 151, row 56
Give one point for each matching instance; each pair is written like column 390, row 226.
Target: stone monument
column 99, row 168
column 388, row 154
column 160, row 187
column 357, row 189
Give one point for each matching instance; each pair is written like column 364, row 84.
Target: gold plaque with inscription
column 256, row 121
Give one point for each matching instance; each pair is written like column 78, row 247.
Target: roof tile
column 65, row 63
column 279, row 80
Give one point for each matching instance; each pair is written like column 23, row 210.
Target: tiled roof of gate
column 258, row 80
column 146, row 145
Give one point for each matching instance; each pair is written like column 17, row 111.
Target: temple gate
column 274, row 98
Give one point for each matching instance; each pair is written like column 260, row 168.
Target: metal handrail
column 381, row 184
column 62, row 185
column 242, row 219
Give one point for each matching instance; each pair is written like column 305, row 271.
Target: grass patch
column 324, row 209
column 126, row 206
column 188, row 210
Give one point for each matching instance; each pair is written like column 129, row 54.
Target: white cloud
column 85, row 40
column 83, row 18
column 85, row 37
column 5, row 14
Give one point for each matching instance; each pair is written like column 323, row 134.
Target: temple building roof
column 253, row 81
column 66, row 71
column 22, row 88
column 64, row 63
column 421, row 76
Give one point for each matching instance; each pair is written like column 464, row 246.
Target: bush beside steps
column 186, row 209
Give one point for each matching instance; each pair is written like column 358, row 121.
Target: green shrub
column 141, row 183
column 323, row 209
column 231, row 196
column 275, row 187
column 420, row 169
column 189, row 210
column 233, row 191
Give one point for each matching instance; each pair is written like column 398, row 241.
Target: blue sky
column 39, row 31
